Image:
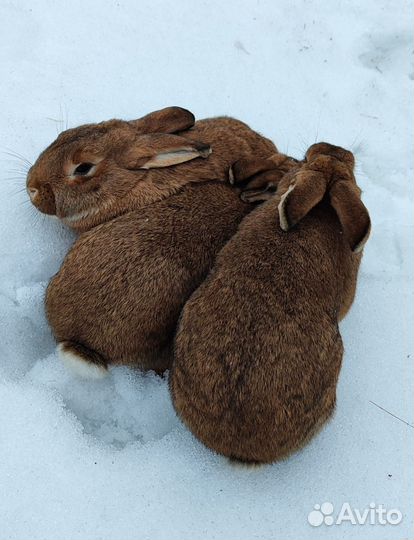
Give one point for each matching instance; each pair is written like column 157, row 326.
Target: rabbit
column 151, row 202
column 257, row 349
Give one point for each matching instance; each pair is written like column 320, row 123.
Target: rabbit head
column 326, row 172
column 94, row 172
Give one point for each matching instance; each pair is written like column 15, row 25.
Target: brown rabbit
column 151, row 226
column 258, row 350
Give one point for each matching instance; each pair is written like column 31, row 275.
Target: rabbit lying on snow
column 151, row 226
column 258, row 350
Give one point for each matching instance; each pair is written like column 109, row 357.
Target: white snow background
column 110, row 460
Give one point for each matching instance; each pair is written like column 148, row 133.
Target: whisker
column 19, row 174
column 14, row 179
column 298, row 151
column 355, row 145
column 360, row 172
column 303, row 146
column 16, row 192
column 304, row 142
column 16, row 159
column 16, row 155
column 35, row 215
column 18, row 171
column 284, row 136
column 25, row 202
column 58, row 124
column 24, row 161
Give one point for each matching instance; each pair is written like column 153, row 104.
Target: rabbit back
column 256, row 355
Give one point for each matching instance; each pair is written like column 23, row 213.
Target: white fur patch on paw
column 78, row 366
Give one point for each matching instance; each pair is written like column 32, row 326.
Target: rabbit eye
column 83, row 169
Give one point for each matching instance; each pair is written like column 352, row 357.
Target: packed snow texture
column 109, row 459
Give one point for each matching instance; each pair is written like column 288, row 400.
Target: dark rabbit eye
column 83, row 169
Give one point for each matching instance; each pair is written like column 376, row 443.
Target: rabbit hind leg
column 81, row 361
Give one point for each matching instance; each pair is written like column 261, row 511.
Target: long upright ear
column 305, row 191
column 156, row 151
column 168, row 120
column 352, row 213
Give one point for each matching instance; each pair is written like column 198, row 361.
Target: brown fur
column 120, row 290
column 258, row 350
column 122, row 151
column 123, row 284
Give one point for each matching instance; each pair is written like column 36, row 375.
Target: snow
column 108, row 459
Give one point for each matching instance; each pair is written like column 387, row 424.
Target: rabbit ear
column 258, row 178
column 305, row 191
column 262, row 188
column 245, row 170
column 352, row 214
column 156, row 151
column 174, row 156
column 168, row 120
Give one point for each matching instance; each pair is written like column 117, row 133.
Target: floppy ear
column 305, row 191
column 261, row 188
column 168, row 120
column 247, row 170
column 156, row 151
column 259, row 178
column 352, row 213
column 244, row 170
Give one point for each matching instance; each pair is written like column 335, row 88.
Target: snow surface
column 109, row 459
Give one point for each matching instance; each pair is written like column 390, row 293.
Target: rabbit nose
column 32, row 192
